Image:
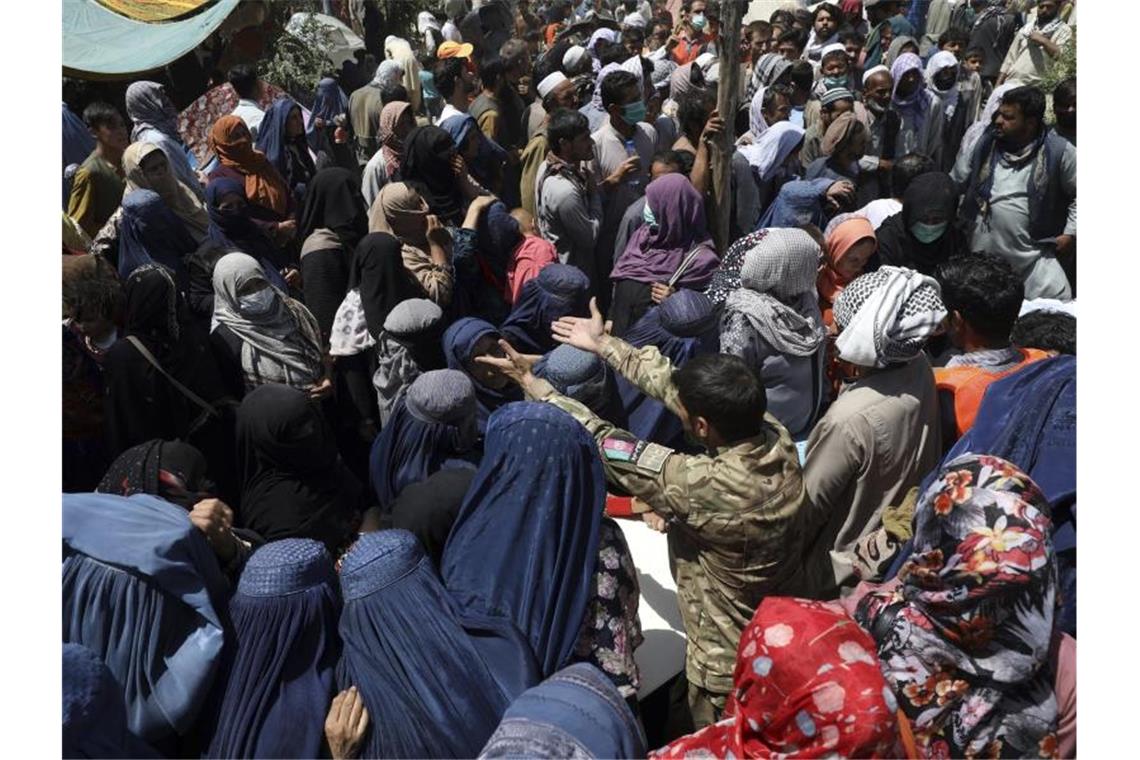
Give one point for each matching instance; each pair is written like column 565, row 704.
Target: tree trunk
column 727, row 100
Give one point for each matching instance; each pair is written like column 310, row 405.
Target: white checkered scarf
column 887, row 316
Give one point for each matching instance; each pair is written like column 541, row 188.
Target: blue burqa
column 427, row 691
column 521, row 555
column 279, row 676
column 458, row 346
column 142, row 589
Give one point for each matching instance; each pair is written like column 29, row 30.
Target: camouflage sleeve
column 655, row 474
column 645, row 367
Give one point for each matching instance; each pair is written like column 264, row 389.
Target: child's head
column 525, row 220
column 974, row 59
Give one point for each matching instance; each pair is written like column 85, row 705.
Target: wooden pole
column 727, row 100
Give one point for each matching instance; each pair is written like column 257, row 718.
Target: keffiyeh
column 886, row 316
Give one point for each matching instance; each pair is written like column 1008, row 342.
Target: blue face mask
column 928, row 233
column 832, row 83
column 648, row 217
column 631, row 113
column 256, row 304
column 698, row 21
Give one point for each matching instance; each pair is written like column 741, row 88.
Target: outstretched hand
column 346, row 723
column 514, row 365
column 581, row 332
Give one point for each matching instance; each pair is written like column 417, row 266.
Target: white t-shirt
column 251, row 114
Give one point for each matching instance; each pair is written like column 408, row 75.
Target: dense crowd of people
column 356, row 398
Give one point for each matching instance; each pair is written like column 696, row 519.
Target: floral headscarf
column 807, row 684
column 965, row 638
column 390, row 143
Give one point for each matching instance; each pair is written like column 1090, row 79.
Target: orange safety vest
column 968, row 385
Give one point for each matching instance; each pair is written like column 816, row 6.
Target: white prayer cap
column 873, row 71
column 547, row 85
column 573, row 56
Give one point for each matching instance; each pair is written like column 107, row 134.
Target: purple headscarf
column 918, row 104
column 655, row 253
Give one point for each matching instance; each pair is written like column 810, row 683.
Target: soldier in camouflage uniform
column 734, row 536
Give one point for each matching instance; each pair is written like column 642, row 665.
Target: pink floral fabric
column 965, row 638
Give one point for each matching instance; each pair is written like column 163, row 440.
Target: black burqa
column 429, row 508
column 931, row 198
column 332, row 202
column 426, row 167
column 141, row 403
column 176, row 471
column 293, row 482
column 378, row 271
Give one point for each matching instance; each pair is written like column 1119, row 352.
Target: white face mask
column 256, row 304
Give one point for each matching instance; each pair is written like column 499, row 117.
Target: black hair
column 447, row 72
column 975, row 52
column 100, row 114
column 532, row 36
column 393, row 93
column 693, row 111
column 243, row 78
column 616, row 85
column 97, row 295
column 803, row 17
column 773, row 92
column 801, row 75
column 726, row 391
column 908, row 167
column 610, row 53
column 850, row 35
column 831, row 10
column 1030, row 99
column 782, row 18
column 631, row 32
column 1046, row 331
column 954, row 34
column 985, row 290
column 1066, row 90
column 512, row 53
column 712, row 10
column 681, row 159
column 491, row 73
column 565, row 124
column 794, row 37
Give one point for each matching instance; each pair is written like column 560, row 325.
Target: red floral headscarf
column 965, row 638
column 807, row 684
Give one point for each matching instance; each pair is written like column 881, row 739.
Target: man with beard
column 883, row 125
column 1020, row 194
column 1036, row 46
column 1065, row 109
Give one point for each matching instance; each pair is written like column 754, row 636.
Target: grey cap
column 413, row 316
column 566, row 367
column 442, row 396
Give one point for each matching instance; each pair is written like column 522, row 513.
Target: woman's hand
column 346, row 723
column 321, row 390
column 659, row 291
column 292, row 277
column 436, row 233
column 840, row 194
column 215, row 519
column 475, row 210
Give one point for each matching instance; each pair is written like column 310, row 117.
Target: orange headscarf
column 830, row 283
column 231, row 142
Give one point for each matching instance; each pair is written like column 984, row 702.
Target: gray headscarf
column 776, row 302
column 282, row 345
column 388, row 72
column 395, row 366
column 895, row 50
column 149, row 107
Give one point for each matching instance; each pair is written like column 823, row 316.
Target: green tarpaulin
column 100, row 42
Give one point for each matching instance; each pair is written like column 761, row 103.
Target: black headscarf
column 378, row 271
column 141, row 403
column 428, row 509
column 426, row 166
column 293, row 482
column 174, row 470
column 333, row 201
column 934, row 195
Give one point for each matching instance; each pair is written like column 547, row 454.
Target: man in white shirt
column 455, row 84
column 243, row 78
